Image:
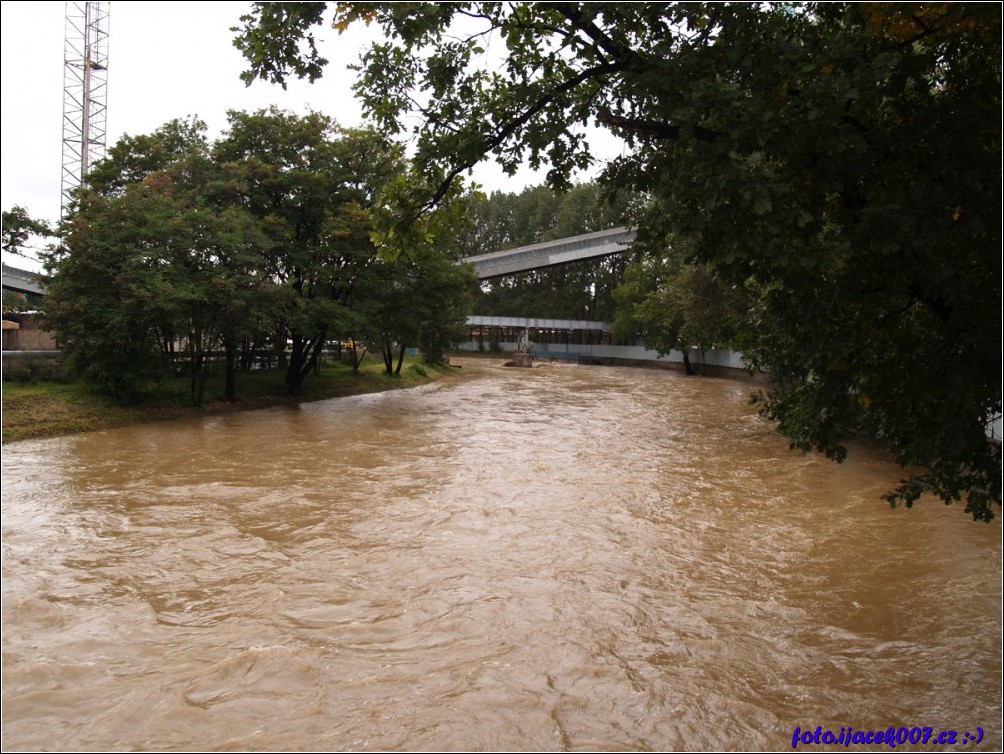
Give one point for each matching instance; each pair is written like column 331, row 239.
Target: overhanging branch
column 656, row 129
column 520, row 120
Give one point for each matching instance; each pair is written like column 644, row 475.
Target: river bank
column 50, row 409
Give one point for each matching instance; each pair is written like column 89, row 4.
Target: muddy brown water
column 563, row 558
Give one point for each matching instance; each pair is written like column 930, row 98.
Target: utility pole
column 85, row 94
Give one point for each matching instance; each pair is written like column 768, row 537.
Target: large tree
column 840, row 160
column 109, row 299
column 154, row 262
column 310, row 183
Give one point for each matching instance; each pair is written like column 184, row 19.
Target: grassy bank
column 48, row 409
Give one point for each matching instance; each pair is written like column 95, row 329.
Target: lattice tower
column 85, row 93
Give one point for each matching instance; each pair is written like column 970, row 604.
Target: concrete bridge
column 548, row 253
column 23, row 281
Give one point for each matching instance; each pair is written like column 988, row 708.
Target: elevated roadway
column 548, row 253
column 23, row 281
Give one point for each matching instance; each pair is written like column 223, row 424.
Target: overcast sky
column 166, row 60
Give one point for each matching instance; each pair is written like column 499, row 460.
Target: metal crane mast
column 85, row 93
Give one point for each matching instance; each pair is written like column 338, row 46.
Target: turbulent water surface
column 563, row 558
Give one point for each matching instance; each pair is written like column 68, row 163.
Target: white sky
column 166, row 60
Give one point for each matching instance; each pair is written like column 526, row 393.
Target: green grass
column 47, row 409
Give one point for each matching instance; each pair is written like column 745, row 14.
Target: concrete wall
column 30, row 336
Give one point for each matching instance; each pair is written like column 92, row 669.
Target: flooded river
column 564, row 558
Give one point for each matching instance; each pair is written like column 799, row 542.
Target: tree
column 675, row 305
column 106, row 297
column 18, row 227
column 311, row 185
column 420, row 300
column 156, row 265
column 156, row 256
column 839, row 160
column 133, row 158
column 425, row 299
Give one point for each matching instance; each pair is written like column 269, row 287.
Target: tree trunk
column 314, row 359
column 200, row 384
column 388, row 355
column 194, row 365
column 230, row 346
column 400, row 360
column 247, row 353
column 357, row 358
column 303, row 360
column 295, row 364
column 280, row 347
column 198, row 367
column 686, row 363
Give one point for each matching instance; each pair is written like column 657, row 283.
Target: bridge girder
column 22, row 281
column 549, row 253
